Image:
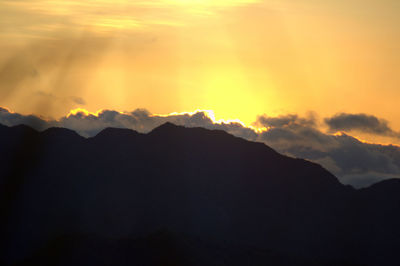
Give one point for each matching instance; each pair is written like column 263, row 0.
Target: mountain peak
column 112, row 132
column 166, row 127
column 59, row 132
column 387, row 187
column 169, row 127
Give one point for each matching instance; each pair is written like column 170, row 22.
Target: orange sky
column 239, row 58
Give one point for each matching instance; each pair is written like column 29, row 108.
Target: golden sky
column 239, row 58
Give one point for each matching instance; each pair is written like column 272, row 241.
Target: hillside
column 203, row 185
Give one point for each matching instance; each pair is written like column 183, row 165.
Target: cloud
column 360, row 122
column 78, row 100
column 41, row 17
column 345, row 156
column 293, row 132
column 352, row 161
column 49, row 97
column 286, row 120
column 14, row 72
column 45, row 75
column 88, row 124
column 9, row 118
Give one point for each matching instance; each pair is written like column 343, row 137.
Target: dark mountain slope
column 200, row 183
column 161, row 248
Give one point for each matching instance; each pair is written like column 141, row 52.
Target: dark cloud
column 78, row 100
column 291, row 131
column 353, row 162
column 345, row 156
column 286, row 120
column 143, row 121
column 360, row 122
column 12, row 119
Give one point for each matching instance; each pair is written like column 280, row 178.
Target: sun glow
column 209, row 3
column 84, row 112
column 208, row 113
column 238, row 58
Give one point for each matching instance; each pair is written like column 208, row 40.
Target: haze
column 240, row 58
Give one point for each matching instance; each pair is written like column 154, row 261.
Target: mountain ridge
column 194, row 181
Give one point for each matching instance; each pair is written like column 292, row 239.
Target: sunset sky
column 239, row 58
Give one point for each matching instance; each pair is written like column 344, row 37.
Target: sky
column 242, row 59
column 312, row 79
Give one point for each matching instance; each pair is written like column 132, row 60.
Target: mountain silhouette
column 122, row 198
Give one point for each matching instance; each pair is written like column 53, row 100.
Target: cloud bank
column 352, row 161
column 360, row 122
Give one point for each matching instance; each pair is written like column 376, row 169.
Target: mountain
column 68, row 200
